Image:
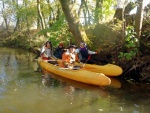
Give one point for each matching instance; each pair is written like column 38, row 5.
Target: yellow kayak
column 108, row 69
column 80, row 75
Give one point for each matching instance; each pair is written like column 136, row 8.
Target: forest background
column 119, row 30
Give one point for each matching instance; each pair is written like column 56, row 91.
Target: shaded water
column 23, row 90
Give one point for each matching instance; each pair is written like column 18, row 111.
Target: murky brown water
column 22, row 90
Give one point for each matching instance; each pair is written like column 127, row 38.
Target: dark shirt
column 84, row 56
column 58, row 52
column 84, row 53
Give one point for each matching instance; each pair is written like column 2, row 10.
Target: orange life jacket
column 68, row 58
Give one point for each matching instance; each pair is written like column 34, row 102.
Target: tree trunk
column 73, row 21
column 4, row 16
column 98, row 10
column 17, row 27
column 85, row 12
column 128, row 8
column 26, row 16
column 118, row 14
column 121, row 14
column 51, row 14
column 139, row 18
column 40, row 14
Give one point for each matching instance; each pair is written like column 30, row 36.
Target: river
column 25, row 90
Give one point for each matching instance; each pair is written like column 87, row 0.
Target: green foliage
column 108, row 7
column 105, row 12
column 23, row 12
column 58, row 32
column 98, row 13
column 28, row 13
column 131, row 44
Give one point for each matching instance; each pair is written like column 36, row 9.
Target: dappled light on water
column 24, row 90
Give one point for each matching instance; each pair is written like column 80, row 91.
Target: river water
column 24, row 90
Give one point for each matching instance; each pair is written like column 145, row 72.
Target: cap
column 82, row 43
column 61, row 44
column 71, row 46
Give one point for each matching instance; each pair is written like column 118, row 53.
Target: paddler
column 46, row 51
column 69, row 57
column 85, row 54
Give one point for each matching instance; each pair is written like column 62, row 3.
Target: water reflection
column 49, row 79
column 78, row 95
column 114, row 99
column 22, row 90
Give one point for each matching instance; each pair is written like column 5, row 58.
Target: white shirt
column 46, row 51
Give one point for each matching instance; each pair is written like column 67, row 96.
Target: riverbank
column 135, row 70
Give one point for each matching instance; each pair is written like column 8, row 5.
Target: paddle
column 50, row 60
column 68, row 68
column 89, row 57
column 63, row 68
column 53, row 58
column 74, row 68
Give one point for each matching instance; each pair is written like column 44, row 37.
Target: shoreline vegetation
column 134, row 70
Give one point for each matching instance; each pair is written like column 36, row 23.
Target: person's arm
column 42, row 49
column 64, row 60
column 76, row 51
column 53, row 56
column 77, row 58
column 91, row 52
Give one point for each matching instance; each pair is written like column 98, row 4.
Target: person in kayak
column 59, row 51
column 84, row 54
column 69, row 57
column 46, row 51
